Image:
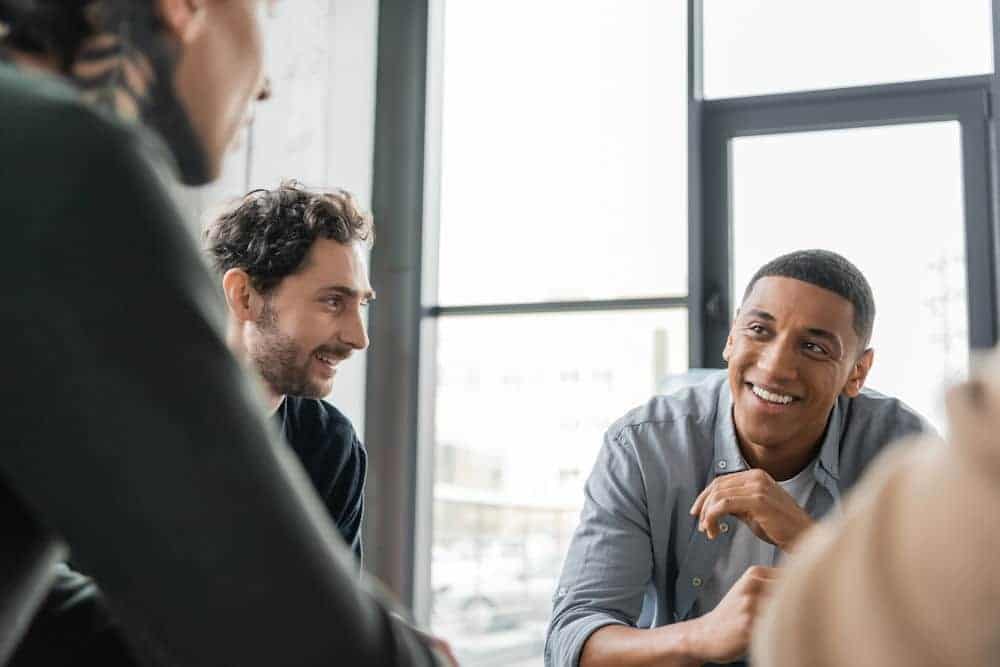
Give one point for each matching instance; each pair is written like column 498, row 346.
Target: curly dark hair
column 60, row 27
column 832, row 272
column 269, row 233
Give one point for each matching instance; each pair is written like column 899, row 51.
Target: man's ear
column 856, row 380
column 241, row 298
column 182, row 19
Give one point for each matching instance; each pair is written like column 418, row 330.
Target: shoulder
column 673, row 431
column 872, row 423
column 872, row 409
column 27, row 94
column 45, row 122
column 663, row 448
column 43, row 108
column 89, row 192
column 693, row 404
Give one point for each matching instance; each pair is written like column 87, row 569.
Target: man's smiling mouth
column 770, row 396
column 328, row 360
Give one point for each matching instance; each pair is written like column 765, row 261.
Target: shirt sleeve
column 346, row 502
column 133, row 433
column 609, row 561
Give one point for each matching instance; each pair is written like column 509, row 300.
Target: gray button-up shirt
column 637, row 558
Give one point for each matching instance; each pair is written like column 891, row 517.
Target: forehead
column 329, row 263
column 796, row 303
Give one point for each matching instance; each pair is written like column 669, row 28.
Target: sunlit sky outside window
column 890, row 200
column 563, row 151
column 757, row 47
column 562, row 156
column 563, row 177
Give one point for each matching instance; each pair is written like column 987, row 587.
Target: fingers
column 696, row 508
column 746, row 507
column 751, row 496
column 735, row 479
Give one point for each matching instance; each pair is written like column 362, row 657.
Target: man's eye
column 334, row 302
column 757, row 329
column 815, row 349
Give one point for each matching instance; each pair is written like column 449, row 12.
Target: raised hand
column 753, row 497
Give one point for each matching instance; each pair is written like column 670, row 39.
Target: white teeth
column 771, row 398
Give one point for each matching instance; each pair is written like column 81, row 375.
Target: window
column 894, row 178
column 561, row 282
column 589, row 221
column 758, row 47
column 889, row 199
column 572, row 142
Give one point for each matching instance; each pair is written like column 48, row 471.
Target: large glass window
column 758, row 47
column 555, row 258
column 522, row 405
column 563, row 153
column 890, row 200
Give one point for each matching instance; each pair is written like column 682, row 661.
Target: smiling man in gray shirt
column 695, row 496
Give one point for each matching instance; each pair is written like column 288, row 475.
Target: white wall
column 317, row 128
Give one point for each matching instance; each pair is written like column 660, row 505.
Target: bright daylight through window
column 556, row 250
column 761, row 47
column 562, row 179
column 890, row 199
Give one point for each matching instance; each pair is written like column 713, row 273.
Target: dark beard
column 275, row 359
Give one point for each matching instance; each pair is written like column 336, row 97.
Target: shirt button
column 724, row 527
column 696, row 582
column 722, row 465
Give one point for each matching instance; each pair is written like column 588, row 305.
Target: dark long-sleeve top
column 329, row 449
column 131, row 432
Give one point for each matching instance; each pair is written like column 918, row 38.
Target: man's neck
column 782, row 461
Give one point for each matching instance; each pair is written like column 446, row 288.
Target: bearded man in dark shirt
column 295, row 276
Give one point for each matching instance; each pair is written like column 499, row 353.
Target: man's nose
column 354, row 333
column 778, row 359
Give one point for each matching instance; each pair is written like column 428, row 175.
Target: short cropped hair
column 269, row 233
column 832, row 272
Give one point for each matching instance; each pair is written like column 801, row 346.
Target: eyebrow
column 823, row 333
column 760, row 314
column 349, row 292
column 812, row 331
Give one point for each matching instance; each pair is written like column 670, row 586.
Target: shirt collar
column 726, row 457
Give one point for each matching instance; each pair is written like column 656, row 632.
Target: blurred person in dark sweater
column 194, row 518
